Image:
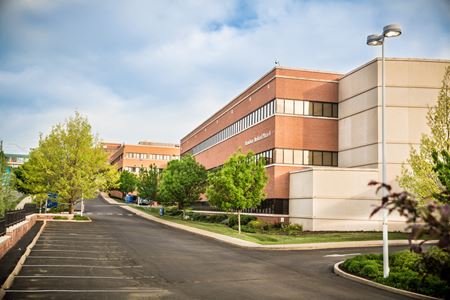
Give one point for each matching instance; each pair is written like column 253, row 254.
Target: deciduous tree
column 148, row 182
column 182, row 182
column 238, row 185
column 70, row 162
column 418, row 176
column 127, row 182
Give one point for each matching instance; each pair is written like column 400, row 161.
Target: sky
column 154, row 70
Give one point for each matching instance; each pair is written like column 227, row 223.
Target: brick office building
column 321, row 135
column 133, row 157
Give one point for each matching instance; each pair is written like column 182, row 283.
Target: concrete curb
column 361, row 280
column 252, row 245
column 9, row 281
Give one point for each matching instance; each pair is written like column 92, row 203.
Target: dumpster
column 161, row 211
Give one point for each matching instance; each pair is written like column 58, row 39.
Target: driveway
column 122, row 256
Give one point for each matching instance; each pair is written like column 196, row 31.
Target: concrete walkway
column 21, row 204
column 252, row 245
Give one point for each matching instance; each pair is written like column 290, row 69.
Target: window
column 317, row 158
column 280, row 106
column 335, row 159
column 327, row 110
column 288, row 106
column 279, row 156
column 307, row 159
column 298, row 157
column 335, row 110
column 317, row 109
column 307, row 108
column 327, row 159
column 298, row 107
column 288, row 156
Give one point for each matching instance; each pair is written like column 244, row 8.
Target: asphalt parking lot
column 123, row 256
column 81, row 261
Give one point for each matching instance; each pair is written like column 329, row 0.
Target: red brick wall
column 16, row 234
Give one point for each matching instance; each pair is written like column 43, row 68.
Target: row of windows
column 137, row 169
column 151, row 156
column 306, row 157
column 307, row 108
column 283, row 106
column 251, row 119
column 299, row 157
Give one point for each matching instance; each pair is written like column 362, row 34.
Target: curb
column 361, row 280
column 252, row 245
column 9, row 281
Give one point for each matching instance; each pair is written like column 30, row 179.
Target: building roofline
column 436, row 60
column 220, row 112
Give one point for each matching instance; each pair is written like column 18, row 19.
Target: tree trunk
column 239, row 221
column 71, row 207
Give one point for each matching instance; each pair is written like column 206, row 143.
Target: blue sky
column 154, row 70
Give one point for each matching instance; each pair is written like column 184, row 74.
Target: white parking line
column 341, row 255
column 74, row 250
column 73, row 277
column 82, row 266
column 80, row 258
column 140, row 290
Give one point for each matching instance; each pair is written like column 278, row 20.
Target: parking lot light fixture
column 392, row 30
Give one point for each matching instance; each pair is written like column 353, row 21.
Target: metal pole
column 383, row 163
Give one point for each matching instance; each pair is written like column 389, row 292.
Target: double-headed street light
column 389, row 31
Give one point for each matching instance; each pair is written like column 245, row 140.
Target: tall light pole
column 392, row 30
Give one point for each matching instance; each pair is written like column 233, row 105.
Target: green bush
column 245, row 228
column 172, row 211
column 60, row 218
column 292, row 229
column 426, row 274
column 245, row 219
column 258, row 225
column 219, row 218
column 80, row 218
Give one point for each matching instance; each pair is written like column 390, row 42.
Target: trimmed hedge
column 425, row 274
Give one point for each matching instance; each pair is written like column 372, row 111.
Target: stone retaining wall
column 15, row 233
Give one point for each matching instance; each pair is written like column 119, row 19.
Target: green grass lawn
column 273, row 239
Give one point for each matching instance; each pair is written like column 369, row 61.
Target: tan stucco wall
column 412, row 85
column 336, row 199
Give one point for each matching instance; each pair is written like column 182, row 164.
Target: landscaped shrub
column 245, row 219
column 427, row 274
column 173, row 211
column 292, row 229
column 60, row 218
column 258, row 225
column 80, row 218
column 372, row 269
column 219, row 218
column 245, row 228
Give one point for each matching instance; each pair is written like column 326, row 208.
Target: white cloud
column 156, row 69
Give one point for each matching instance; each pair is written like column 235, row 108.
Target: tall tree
column 182, row 182
column 238, row 185
column 418, row 176
column 7, row 179
column 127, row 182
column 69, row 162
column 148, row 182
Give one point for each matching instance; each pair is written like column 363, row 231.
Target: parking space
column 81, row 261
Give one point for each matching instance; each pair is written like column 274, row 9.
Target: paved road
column 122, row 256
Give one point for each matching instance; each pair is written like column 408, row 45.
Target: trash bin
column 161, row 211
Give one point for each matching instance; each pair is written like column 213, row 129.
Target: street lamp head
column 392, row 30
column 375, row 40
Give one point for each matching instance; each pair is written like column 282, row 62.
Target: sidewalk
column 252, row 245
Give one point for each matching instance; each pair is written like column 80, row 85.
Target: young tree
column 127, row 182
column 148, row 182
column 238, row 185
column 418, row 176
column 69, row 162
column 182, row 182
